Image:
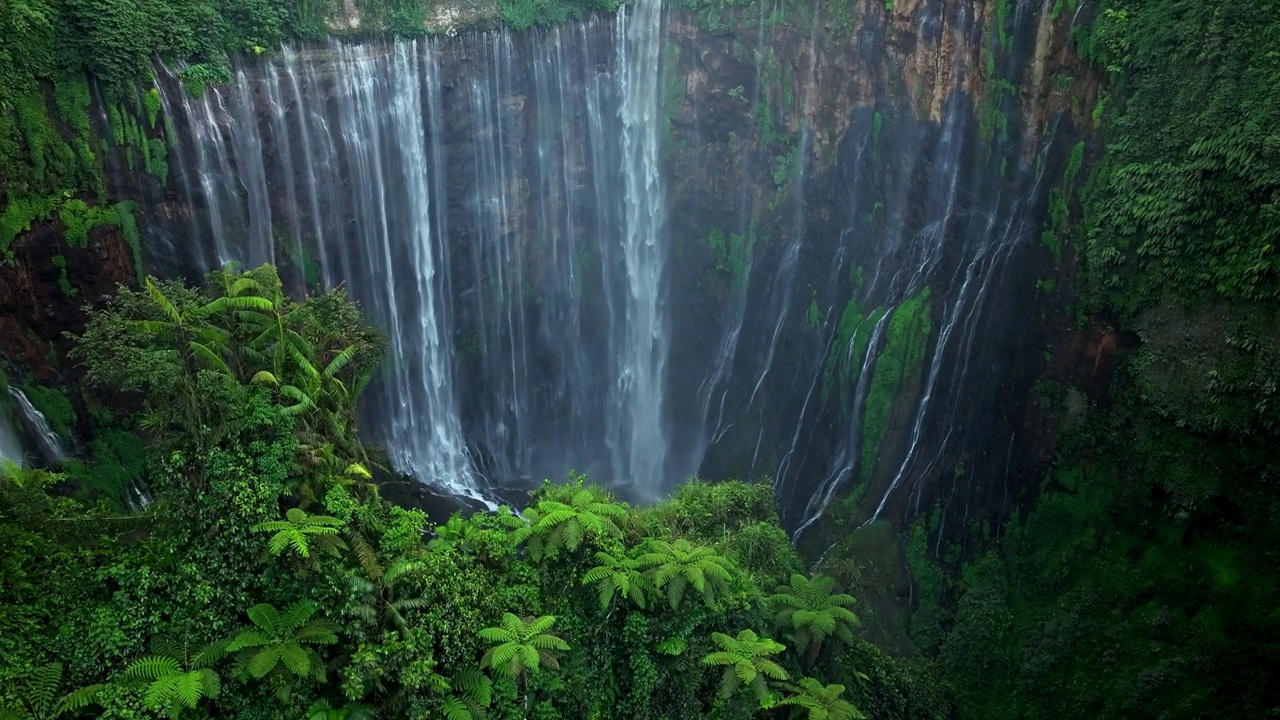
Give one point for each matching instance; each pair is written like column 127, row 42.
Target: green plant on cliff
column 525, row 14
column 64, row 283
column 732, row 255
column 17, row 218
column 905, row 341
column 1183, row 202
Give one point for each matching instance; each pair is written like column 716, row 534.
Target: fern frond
column 317, row 633
column 295, row 659
column 674, row 646
column 265, row 616
column 296, row 615
column 340, row 361
column 263, row 662
column 186, row 689
column 548, row 642
column 151, row 667
column 248, row 639
column 455, row 709
column 540, row 625
column 209, row 654
column 496, row 635
column 356, row 470
column 366, row 556
column 43, row 684
column 513, row 624
column 78, row 699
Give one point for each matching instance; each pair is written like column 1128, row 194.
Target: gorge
column 980, row 296
column 594, row 248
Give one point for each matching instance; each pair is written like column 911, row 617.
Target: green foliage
column 17, row 218
column 1183, row 202
column 524, row 14
column 732, row 255
column 620, row 575
column 553, row 526
column 809, row 613
column 78, row 219
column 813, row 316
column 151, row 101
column 280, row 640
column 747, row 661
column 844, row 363
column 174, row 677
column 816, row 701
column 64, row 283
column 129, row 231
column 233, row 461
column 378, row 601
column 524, row 645
column 41, row 699
column 296, row 532
column 312, row 358
column 906, row 339
column 680, row 565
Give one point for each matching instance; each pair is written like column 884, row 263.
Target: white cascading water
column 50, row 444
column 643, row 355
column 497, row 203
column 358, row 141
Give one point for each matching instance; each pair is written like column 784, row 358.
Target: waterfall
column 10, row 442
column 523, row 217
column 641, row 377
column 495, row 204
column 48, row 440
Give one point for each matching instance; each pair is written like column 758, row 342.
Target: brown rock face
column 36, row 310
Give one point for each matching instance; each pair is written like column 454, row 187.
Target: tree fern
column 810, row 614
column 551, row 526
column 174, row 678
column 41, row 696
column 523, row 645
column 675, row 567
column 619, row 575
column 379, row 601
column 816, row 701
column 284, row 639
column 470, row 697
column 298, row 530
column 746, row 661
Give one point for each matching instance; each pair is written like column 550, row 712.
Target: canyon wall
column 831, row 273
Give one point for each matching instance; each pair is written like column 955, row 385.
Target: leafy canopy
column 524, row 645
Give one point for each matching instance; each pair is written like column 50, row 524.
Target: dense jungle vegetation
column 268, row 579
column 1143, row 582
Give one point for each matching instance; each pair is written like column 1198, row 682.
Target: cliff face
column 849, row 211
column 43, row 290
column 890, row 171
